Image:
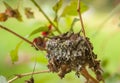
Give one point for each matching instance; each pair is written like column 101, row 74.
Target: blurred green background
column 102, row 25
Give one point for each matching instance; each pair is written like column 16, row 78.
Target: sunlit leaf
column 3, row 17
column 29, row 13
column 58, row 5
column 14, row 53
column 38, row 30
column 71, row 8
column 3, row 79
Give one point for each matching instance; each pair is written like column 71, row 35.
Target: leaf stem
column 40, row 9
column 26, row 74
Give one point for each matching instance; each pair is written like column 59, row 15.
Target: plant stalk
column 14, row 33
column 40, row 9
column 26, row 74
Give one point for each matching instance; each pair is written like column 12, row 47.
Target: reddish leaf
column 10, row 12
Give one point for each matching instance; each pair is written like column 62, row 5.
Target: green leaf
column 3, row 79
column 14, row 53
column 71, row 9
column 38, row 30
column 58, row 5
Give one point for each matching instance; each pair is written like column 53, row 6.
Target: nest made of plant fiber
column 70, row 52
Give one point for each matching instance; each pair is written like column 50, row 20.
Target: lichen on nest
column 70, row 52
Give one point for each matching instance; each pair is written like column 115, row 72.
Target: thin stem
column 80, row 16
column 26, row 74
column 16, row 34
column 40, row 9
column 5, row 28
column 83, row 30
column 56, row 17
column 34, row 65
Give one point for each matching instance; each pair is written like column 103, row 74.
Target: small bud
column 45, row 33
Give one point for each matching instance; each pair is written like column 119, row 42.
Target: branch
column 40, row 9
column 84, row 72
column 26, row 40
column 88, row 76
column 83, row 30
column 26, row 74
column 5, row 28
column 81, row 21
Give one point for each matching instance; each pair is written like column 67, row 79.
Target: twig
column 88, row 76
column 45, row 15
column 84, row 72
column 83, row 30
column 35, row 63
column 5, row 28
column 26, row 74
column 26, row 40
column 81, row 21
column 56, row 16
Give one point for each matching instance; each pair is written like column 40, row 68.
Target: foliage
column 12, row 13
column 72, row 6
column 14, row 53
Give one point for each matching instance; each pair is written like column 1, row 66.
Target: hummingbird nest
column 72, row 52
